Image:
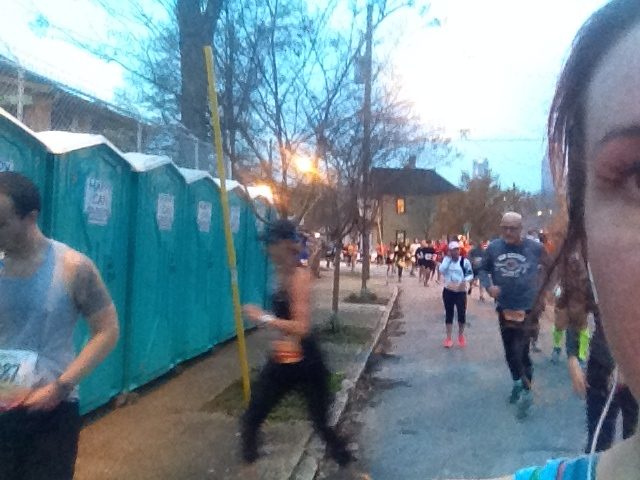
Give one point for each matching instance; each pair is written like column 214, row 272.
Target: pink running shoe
column 448, row 343
column 462, row 341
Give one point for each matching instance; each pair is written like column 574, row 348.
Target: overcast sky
column 489, row 67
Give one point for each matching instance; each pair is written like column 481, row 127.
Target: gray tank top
column 37, row 315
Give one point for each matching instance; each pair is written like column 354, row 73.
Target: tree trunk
column 366, row 154
column 335, row 299
column 196, row 29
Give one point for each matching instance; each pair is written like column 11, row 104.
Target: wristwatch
column 65, row 388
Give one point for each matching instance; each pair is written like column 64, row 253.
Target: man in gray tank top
column 45, row 287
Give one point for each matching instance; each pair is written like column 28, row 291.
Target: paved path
column 436, row 413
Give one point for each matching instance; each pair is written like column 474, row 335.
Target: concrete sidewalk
column 167, row 434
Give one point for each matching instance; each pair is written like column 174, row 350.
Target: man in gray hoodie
column 510, row 272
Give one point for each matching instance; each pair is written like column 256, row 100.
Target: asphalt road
column 425, row 412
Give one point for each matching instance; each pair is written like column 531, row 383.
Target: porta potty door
column 204, row 263
column 90, row 204
column 21, row 151
column 256, row 254
column 157, row 275
column 237, row 216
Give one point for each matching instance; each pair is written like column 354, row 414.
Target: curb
column 307, row 466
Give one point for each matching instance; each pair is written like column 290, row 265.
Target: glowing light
column 261, row 190
column 303, row 163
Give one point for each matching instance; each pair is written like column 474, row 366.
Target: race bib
column 17, row 376
column 18, row 367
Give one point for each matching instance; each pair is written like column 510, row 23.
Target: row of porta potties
column 156, row 234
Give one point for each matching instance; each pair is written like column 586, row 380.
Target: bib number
column 17, row 376
column 18, row 367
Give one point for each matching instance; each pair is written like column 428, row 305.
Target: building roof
column 42, row 84
column 409, row 181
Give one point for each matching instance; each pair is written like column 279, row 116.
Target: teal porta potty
column 156, row 273
column 21, row 151
column 237, row 217
column 206, row 286
column 255, row 274
column 90, row 201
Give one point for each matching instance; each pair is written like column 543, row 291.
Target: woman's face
column 612, row 203
column 285, row 253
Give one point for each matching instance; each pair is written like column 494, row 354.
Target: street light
column 303, row 163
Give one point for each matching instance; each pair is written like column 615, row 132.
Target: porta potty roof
column 230, row 184
column 191, row 175
column 6, row 115
column 59, row 142
column 141, row 162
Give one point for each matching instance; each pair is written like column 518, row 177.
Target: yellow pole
column 231, row 251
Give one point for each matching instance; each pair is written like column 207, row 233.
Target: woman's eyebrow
column 623, row 132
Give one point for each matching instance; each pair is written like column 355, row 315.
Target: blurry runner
column 390, row 260
column 45, row 287
column 330, row 253
column 457, row 272
column 510, row 273
column 441, row 250
column 380, row 254
column 401, row 258
column 412, row 254
column 574, row 302
column 475, row 257
column 430, row 262
column 420, row 260
column 295, row 359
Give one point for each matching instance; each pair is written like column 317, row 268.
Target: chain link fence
column 43, row 103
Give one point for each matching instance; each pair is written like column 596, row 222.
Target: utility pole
column 366, row 150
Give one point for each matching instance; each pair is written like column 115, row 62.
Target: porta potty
column 204, row 256
column 21, row 151
column 90, row 201
column 255, row 288
column 156, row 273
column 237, row 217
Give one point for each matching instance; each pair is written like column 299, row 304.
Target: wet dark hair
column 566, row 125
column 280, row 230
column 22, row 191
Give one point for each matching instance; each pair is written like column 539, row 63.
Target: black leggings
column 515, row 339
column 623, row 402
column 37, row 445
column 311, row 376
column 457, row 300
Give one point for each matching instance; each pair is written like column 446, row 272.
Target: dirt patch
column 292, row 407
column 367, row 298
column 343, row 334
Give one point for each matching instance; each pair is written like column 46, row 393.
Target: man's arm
column 486, row 267
column 93, row 301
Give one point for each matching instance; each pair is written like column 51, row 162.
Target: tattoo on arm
column 90, row 294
